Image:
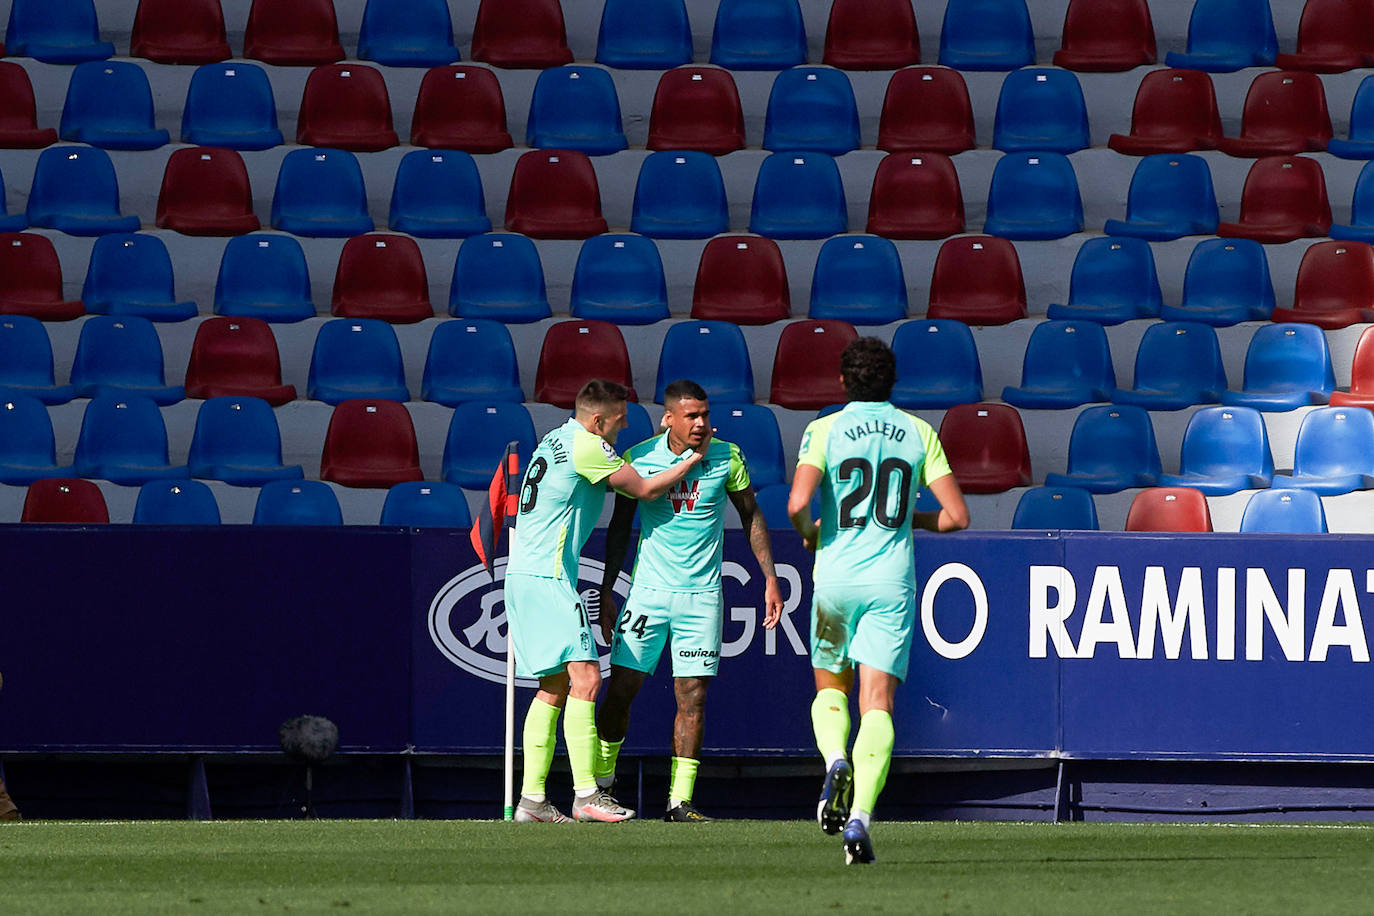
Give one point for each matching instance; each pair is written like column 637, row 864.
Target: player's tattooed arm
column 953, row 514
column 751, row 518
column 617, row 545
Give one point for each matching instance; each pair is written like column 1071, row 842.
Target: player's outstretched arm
column 752, row 520
column 628, row 481
column 805, row 479
column 953, row 514
column 617, row 545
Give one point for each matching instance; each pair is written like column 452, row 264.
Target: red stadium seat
column 236, row 356
column 1333, row 36
column 382, row 276
column 205, row 191
column 345, row 106
column 1285, row 113
column 977, row 280
column 926, row 109
column 64, row 501
column 806, row 366
column 179, row 32
column 871, row 35
column 292, row 33
column 460, row 108
column 574, row 352
column 554, row 195
column 18, row 114
column 1169, row 509
column 31, row 279
column 1104, row 35
column 696, row 108
column 370, row 443
column 986, row 447
column 1334, row 286
column 741, row 279
column 916, row 196
column 1175, row 111
column 1284, row 199
column 1361, row 393
column 520, row 34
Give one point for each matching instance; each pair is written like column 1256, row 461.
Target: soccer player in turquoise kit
column 560, row 502
column 869, row 460
column 676, row 588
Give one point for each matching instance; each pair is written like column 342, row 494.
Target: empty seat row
column 1274, row 511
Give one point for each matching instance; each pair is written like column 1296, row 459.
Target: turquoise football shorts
column 868, row 624
column 548, row 623
column 651, row 615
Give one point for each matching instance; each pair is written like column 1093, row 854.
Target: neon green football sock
column 608, row 753
column 872, row 756
column 579, row 732
column 830, row 721
column 682, row 779
column 541, row 725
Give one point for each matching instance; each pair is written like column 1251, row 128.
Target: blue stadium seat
column 231, row 106
column 937, row 365
column 477, row 436
column 131, row 274
column 638, row 427
column 1111, row 448
column 773, row 503
column 644, row 35
column 471, row 359
column 758, row 35
column 1062, row 508
column 754, row 428
column 619, row 278
column 55, row 31
column 1360, row 144
column 859, row 279
column 237, row 440
column 176, row 502
column 27, row 447
column 110, row 104
column 407, row 33
column 1170, row 196
column 438, row 195
column 1226, row 282
column 575, row 108
column 1034, row 196
column 26, row 365
column 297, row 502
column 498, row 275
column 1334, row 453
column 1286, row 366
column 123, row 440
column 711, row 353
column 356, row 358
column 680, row 195
column 987, row 35
column 1227, row 35
column 426, row 504
column 1113, row 280
column 1067, row 363
column 264, row 275
column 121, row 356
column 1284, row 511
column 1361, row 226
column 1177, row 365
column 1225, row 449
column 320, row 193
column 812, row 109
column 75, row 191
column 798, row 196
column 1040, row 109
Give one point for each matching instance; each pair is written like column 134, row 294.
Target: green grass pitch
column 652, row 867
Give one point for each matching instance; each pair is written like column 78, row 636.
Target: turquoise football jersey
column 560, row 501
column 681, row 533
column 873, row 458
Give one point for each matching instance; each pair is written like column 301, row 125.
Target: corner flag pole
column 502, row 503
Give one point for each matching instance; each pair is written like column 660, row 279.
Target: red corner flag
column 499, row 511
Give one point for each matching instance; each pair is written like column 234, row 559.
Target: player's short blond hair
column 599, row 394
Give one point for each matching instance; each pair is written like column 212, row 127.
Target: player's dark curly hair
column 599, row 393
column 868, row 369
